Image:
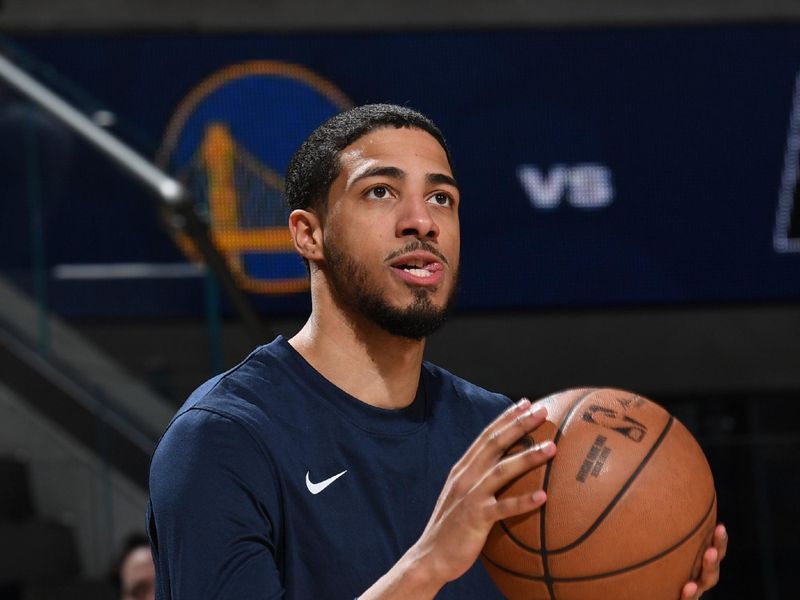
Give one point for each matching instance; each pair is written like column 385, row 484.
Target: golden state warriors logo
column 230, row 140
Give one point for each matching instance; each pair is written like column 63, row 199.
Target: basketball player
column 337, row 463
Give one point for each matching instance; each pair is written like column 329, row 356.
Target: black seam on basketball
column 510, row 572
column 561, row 426
column 643, row 563
column 542, row 518
column 653, row 558
column 621, row 492
column 543, row 550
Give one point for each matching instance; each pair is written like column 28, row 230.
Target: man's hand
column 709, row 572
column 467, row 507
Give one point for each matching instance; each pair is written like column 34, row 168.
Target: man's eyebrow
column 441, row 178
column 391, row 172
column 397, row 173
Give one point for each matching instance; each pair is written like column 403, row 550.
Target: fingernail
column 514, row 407
column 538, row 411
column 523, row 403
column 547, row 447
column 539, row 496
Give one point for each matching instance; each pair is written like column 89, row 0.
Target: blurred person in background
column 135, row 572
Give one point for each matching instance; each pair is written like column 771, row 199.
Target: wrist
column 419, row 568
column 413, row 577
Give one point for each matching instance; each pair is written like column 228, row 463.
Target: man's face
column 391, row 232
column 138, row 575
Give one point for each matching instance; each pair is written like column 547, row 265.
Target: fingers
column 516, row 505
column 507, row 417
column 512, row 467
column 721, row 541
column 497, row 437
column 689, row 591
column 709, row 573
column 481, row 463
column 504, row 472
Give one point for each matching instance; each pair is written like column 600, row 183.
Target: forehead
column 403, row 147
column 138, row 562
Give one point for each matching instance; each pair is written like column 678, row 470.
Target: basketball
column 630, row 508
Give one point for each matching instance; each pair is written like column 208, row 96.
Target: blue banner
column 597, row 167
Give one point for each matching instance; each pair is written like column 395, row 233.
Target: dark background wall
column 342, row 14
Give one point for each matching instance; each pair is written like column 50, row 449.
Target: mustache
column 415, row 246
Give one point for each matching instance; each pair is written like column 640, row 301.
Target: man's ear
column 306, row 231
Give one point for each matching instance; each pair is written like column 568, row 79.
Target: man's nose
column 416, row 219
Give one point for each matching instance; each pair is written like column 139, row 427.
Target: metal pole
column 36, row 218
column 171, row 192
column 167, row 188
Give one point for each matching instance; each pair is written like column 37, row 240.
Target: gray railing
column 171, row 193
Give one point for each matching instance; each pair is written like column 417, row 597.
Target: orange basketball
column 630, row 505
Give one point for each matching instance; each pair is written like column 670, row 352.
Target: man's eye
column 441, row 199
column 378, row 192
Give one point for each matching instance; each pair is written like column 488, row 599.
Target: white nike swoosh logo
column 316, row 488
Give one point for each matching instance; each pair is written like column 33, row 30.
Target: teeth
column 419, row 272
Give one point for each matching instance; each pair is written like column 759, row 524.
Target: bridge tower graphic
column 230, row 140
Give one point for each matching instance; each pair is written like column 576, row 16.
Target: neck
column 360, row 358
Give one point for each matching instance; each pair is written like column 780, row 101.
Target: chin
column 415, row 320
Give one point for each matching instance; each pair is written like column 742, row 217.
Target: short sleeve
column 213, row 516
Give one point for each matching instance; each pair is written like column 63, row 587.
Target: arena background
column 630, row 219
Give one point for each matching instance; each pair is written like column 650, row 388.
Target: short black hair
column 316, row 163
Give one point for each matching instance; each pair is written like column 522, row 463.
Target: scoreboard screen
column 598, row 167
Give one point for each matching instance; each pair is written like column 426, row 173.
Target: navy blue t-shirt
column 271, row 482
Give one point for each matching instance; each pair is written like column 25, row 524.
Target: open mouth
column 420, row 268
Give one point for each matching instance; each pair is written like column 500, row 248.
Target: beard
column 351, row 286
